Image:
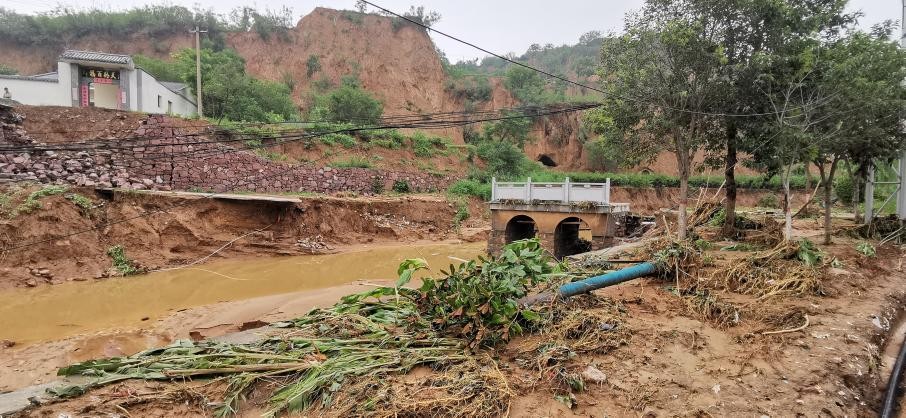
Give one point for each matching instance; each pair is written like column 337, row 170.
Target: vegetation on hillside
column 348, row 103
column 63, row 24
column 578, row 60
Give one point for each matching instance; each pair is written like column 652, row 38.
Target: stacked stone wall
column 163, row 157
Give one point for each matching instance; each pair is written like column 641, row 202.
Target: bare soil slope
column 181, row 230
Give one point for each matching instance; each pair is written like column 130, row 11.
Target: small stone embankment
column 159, row 155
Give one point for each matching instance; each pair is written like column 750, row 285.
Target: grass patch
column 470, row 188
column 333, row 139
column 84, row 204
column 121, row 262
column 33, row 201
column 352, row 162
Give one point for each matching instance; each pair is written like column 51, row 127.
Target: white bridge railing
column 565, row 193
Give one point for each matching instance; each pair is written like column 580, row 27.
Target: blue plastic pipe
column 609, row 279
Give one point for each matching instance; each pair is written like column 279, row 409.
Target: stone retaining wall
column 164, row 158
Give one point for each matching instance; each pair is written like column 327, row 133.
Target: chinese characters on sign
column 100, row 74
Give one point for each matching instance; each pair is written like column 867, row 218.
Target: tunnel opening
column 572, row 236
column 547, row 160
column 520, row 227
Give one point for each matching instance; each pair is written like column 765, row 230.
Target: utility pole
column 198, row 33
column 901, row 192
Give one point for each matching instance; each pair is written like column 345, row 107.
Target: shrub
column 426, row 146
column 160, row 69
column 401, row 186
column 502, row 159
column 7, row 70
column 471, row 89
column 224, row 76
column 352, row 104
column 121, row 262
column 313, row 65
column 354, row 17
column 865, row 248
column 377, row 185
column 465, row 187
column 769, row 201
column 462, row 213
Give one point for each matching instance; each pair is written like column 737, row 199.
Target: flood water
column 53, row 312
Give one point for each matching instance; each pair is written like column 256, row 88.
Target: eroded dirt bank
column 60, row 241
column 183, row 229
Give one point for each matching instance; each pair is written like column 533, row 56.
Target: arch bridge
column 568, row 218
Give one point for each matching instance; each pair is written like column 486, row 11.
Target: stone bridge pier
column 563, row 230
column 568, row 218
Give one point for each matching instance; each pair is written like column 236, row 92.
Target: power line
column 291, row 167
column 551, row 75
column 455, row 119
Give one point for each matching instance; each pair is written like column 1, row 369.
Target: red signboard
column 84, row 96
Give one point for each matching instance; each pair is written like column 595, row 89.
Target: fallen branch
column 808, row 199
column 784, row 331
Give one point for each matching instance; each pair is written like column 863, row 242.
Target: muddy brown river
column 53, row 312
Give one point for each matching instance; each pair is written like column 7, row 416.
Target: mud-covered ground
column 809, row 355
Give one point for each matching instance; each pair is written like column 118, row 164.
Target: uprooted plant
column 327, row 354
column 790, row 268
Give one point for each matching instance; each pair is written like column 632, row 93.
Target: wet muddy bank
column 181, row 230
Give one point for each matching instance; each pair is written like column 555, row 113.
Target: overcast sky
column 498, row 25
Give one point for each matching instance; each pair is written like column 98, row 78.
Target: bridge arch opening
column 520, row 227
column 572, row 236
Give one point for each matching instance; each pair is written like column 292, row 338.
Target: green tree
column 502, row 159
column 527, row 85
column 661, row 76
column 863, row 77
column 229, row 93
column 514, row 130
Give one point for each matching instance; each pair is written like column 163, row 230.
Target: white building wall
column 151, row 90
column 64, row 77
column 36, row 92
column 64, row 92
column 134, row 95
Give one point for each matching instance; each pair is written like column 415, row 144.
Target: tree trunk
column 683, row 158
column 808, row 190
column 827, row 180
column 729, row 229
column 787, row 204
column 857, row 184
